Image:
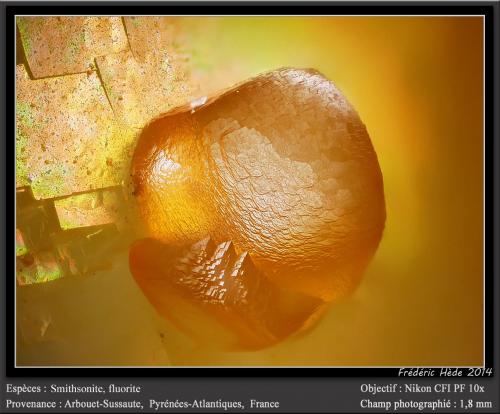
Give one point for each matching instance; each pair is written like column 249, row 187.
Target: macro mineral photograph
column 249, row 191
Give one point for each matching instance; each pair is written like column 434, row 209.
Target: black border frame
column 227, row 8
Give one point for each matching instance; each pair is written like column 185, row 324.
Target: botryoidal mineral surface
column 263, row 204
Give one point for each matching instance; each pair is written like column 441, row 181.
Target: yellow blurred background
column 417, row 83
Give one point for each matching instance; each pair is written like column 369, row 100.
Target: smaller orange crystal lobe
column 218, row 296
column 280, row 166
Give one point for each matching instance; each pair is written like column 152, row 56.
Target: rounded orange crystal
column 282, row 167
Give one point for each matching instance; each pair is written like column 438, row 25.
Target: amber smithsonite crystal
column 263, row 204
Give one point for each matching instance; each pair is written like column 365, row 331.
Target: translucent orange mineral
column 263, row 203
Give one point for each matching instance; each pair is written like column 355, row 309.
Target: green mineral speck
column 21, row 167
column 24, row 114
column 66, row 224
column 136, row 22
column 74, row 46
column 50, row 182
column 21, row 250
column 45, row 274
column 23, row 29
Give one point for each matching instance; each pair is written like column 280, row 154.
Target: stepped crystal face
column 274, row 181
